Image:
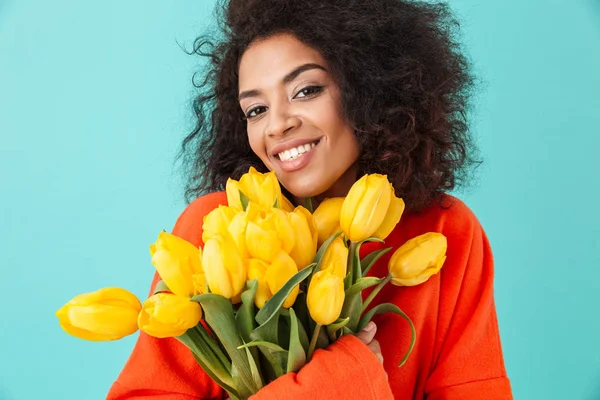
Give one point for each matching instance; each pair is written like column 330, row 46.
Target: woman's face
column 295, row 122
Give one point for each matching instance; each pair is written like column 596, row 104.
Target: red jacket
column 457, row 355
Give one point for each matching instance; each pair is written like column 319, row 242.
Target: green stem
column 313, row 342
column 214, row 347
column 350, row 263
column 375, row 292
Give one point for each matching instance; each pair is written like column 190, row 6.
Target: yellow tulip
column 217, row 221
column 167, row 315
column 418, row 259
column 286, row 204
column 392, row 217
column 224, row 267
column 262, row 189
column 106, row 314
column 268, row 231
column 365, row 207
column 237, row 230
column 305, row 249
column 336, row 257
column 279, row 272
column 325, row 297
column 257, row 270
column 178, row 264
column 327, row 218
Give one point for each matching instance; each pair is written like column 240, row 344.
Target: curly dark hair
column 405, row 87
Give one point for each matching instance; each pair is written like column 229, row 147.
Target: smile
column 295, row 152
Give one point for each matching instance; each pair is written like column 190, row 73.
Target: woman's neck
column 339, row 189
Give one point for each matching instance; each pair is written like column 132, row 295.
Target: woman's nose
column 281, row 120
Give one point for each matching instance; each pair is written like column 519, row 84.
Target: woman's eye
column 308, row 91
column 254, row 112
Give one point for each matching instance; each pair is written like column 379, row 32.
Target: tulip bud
column 262, row 189
column 257, row 270
column 267, row 232
column 279, row 272
column 336, row 257
column 237, row 230
column 327, row 218
column 418, row 259
column 178, row 264
column 217, row 221
column 325, row 297
column 303, row 225
column 365, row 206
column 392, row 217
column 167, row 315
column 106, row 314
column 224, row 267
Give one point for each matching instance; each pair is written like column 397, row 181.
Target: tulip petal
column 325, row 297
column 279, row 273
column 168, row 315
column 262, row 244
column 305, row 248
column 392, row 217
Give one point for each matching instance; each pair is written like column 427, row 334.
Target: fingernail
column 369, row 326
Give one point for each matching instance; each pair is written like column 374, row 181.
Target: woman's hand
column 367, row 336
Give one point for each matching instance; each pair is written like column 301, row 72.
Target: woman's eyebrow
column 286, row 79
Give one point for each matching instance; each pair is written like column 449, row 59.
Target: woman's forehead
column 271, row 59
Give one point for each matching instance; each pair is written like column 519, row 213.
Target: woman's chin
column 304, row 191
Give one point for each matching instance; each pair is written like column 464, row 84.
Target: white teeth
column 296, row 152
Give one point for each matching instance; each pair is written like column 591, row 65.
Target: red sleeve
column 468, row 361
column 345, row 370
column 164, row 369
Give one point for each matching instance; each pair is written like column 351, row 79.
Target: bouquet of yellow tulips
column 271, row 284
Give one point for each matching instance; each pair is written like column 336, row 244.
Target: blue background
column 95, row 99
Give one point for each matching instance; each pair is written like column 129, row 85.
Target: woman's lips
column 299, row 162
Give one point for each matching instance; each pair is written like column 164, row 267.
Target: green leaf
column 351, row 310
column 346, row 331
column 296, row 354
column 244, row 200
column 303, row 316
column 371, row 259
column 214, row 347
column 275, row 356
column 219, row 315
column 308, row 205
column 332, row 329
column 276, row 203
column 262, row 343
column 243, row 390
column 352, row 307
column 356, row 269
column 254, row 368
column 362, row 284
column 276, row 361
column 244, row 317
column 388, row 307
column 208, row 361
column 161, row 286
column 274, row 303
column 323, row 249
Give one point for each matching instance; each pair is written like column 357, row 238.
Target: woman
column 322, row 93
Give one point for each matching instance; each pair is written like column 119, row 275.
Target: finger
column 375, row 346
column 376, row 349
column 368, row 333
